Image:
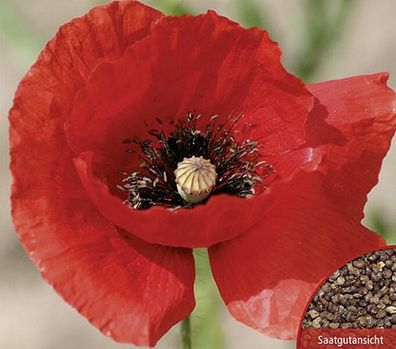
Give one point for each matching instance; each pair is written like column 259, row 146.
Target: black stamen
column 239, row 166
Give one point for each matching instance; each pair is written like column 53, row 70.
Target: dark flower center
column 238, row 165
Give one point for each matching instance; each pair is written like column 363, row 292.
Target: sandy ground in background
column 32, row 315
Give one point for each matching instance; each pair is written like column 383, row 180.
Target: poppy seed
column 361, row 294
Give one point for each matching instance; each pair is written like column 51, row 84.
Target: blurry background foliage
column 320, row 25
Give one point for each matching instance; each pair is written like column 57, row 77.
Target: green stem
column 203, row 329
column 206, row 328
column 186, row 333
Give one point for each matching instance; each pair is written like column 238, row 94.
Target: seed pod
column 195, row 178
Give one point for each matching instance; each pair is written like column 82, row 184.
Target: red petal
column 267, row 275
column 348, row 134
column 205, row 64
column 100, row 36
column 46, row 93
column 363, row 110
column 130, row 290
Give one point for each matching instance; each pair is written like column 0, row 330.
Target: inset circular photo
column 355, row 307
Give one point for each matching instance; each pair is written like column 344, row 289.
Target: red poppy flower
column 272, row 231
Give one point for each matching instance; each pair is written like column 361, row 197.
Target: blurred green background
column 320, row 39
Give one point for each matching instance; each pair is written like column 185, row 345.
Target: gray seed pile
column 361, row 294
